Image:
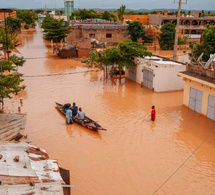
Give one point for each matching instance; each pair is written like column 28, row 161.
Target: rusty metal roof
column 26, row 169
column 10, row 125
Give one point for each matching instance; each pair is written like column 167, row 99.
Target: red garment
column 153, row 114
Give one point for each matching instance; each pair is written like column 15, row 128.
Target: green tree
column 120, row 55
column 135, row 30
column 106, row 16
column 55, row 30
column 83, row 14
column 207, row 46
column 113, row 17
column 14, row 24
column 167, row 36
column 26, row 16
column 10, row 39
column 121, row 12
column 39, row 11
column 10, row 79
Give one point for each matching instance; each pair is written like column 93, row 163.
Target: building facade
column 69, row 8
column 109, row 33
column 144, row 19
column 158, row 74
column 11, row 14
column 192, row 25
column 199, row 90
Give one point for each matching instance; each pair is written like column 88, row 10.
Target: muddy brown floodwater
column 135, row 155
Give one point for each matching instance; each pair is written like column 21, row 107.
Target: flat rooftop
column 163, row 61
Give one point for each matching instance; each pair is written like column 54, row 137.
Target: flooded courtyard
column 173, row 155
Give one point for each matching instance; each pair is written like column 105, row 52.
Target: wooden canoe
column 86, row 122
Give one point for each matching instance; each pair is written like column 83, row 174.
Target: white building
column 158, row 74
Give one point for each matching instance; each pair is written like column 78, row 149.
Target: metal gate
column 148, row 79
column 211, row 107
column 195, row 102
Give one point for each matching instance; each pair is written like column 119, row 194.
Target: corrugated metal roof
column 11, row 125
column 34, row 173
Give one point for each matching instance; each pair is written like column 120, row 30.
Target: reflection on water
column 134, row 155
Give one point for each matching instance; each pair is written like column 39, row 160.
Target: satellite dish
column 212, row 57
column 200, row 57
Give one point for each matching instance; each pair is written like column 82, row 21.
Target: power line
column 183, row 162
column 58, row 74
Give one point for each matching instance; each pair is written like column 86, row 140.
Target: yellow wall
column 207, row 90
column 144, row 19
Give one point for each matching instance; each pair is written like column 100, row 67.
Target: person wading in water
column 153, row 113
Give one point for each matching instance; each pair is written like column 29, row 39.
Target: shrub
column 26, row 26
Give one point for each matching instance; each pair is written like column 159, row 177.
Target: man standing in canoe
column 69, row 116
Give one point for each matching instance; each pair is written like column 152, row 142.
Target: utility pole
column 5, row 23
column 177, row 28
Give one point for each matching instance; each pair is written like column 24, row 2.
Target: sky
column 104, row 4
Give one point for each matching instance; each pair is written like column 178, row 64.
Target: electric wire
column 58, row 74
column 183, row 163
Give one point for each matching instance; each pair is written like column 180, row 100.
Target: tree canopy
column 83, row 14
column 167, row 36
column 135, row 30
column 55, row 30
column 207, row 46
column 26, row 16
column 120, row 55
column 10, row 79
column 14, row 24
column 11, row 39
column 121, row 12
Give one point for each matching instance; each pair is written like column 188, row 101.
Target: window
column 92, row 35
column 108, row 35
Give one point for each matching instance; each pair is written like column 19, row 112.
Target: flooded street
column 134, row 156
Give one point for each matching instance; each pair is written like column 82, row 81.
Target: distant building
column 157, row 73
column 11, row 14
column 60, row 17
column 144, row 19
column 199, row 89
column 41, row 18
column 105, row 31
column 69, row 8
column 192, row 25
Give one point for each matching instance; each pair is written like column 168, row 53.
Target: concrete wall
column 166, row 78
column 202, row 87
column 165, row 75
